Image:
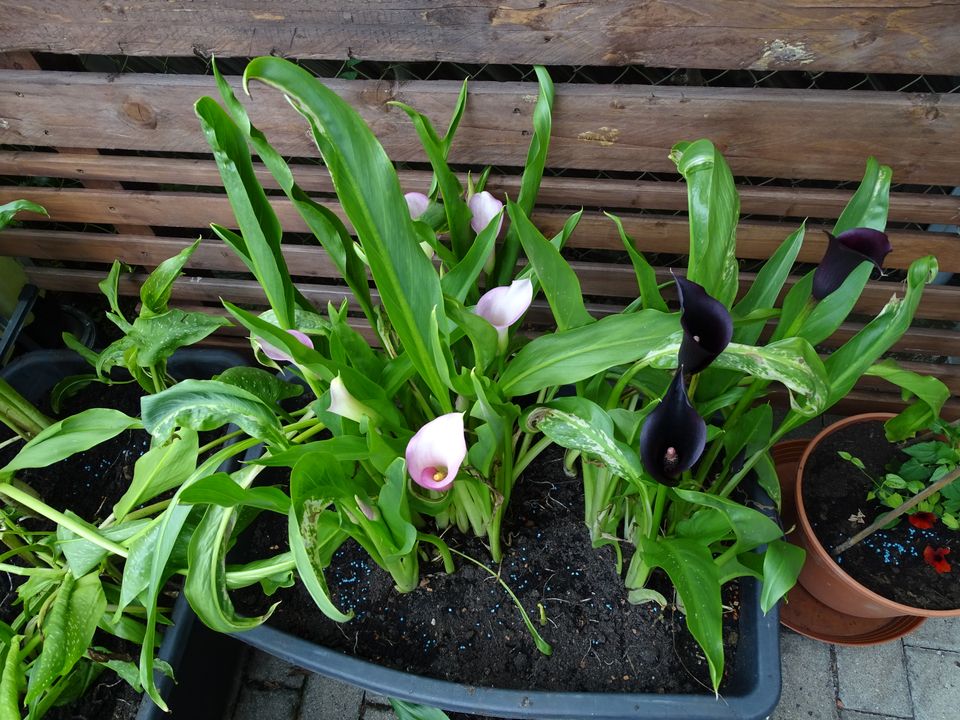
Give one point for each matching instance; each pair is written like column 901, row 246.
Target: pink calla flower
column 484, row 207
column 503, row 306
column 435, row 453
column 417, row 203
column 279, row 355
column 344, row 404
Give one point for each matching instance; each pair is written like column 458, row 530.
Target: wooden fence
column 135, row 179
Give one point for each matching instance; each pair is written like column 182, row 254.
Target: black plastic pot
column 203, row 661
column 50, row 320
column 751, row 692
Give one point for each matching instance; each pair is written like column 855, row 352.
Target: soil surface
column 464, row 627
column 889, row 562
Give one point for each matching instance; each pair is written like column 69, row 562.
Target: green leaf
column 751, row 527
column 869, row 205
column 260, row 383
column 462, row 278
column 53, row 653
column 157, row 337
column 830, row 312
column 714, row 208
column 82, row 555
column 411, row 711
column 557, row 278
column 159, row 469
column 310, row 574
column 346, row 448
column 591, row 431
column 11, row 680
column 370, row 194
column 766, row 287
column 8, row 210
column 532, row 173
column 930, row 394
column 646, row 277
column 767, row 478
column 580, row 353
column 753, row 429
column 221, row 489
column 206, row 583
column 782, row 563
column 396, row 511
column 259, row 246
column 75, row 434
column 156, row 289
column 457, row 212
column 482, row 335
column 207, row 405
column 696, row 578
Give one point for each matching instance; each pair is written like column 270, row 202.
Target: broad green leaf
column 396, row 512
column 310, row 574
column 930, row 394
column 8, row 210
column 767, row 478
column 109, row 286
column 752, row 429
column 370, row 194
column 157, row 336
column 220, row 489
column 714, row 208
column 159, row 469
column 259, row 246
column 532, row 174
column 156, row 289
column 11, row 679
column 751, row 527
column 53, row 653
column 646, row 277
column 482, row 335
column 260, row 383
column 869, row 205
column 557, row 278
column 695, row 576
column 830, row 312
column 412, row 711
column 592, row 434
column 206, row 583
column 81, row 554
column 766, row 287
column 573, row 355
column 207, row 405
column 71, row 341
column 346, row 448
column 782, row 563
column 457, row 212
column 462, row 278
column 75, row 434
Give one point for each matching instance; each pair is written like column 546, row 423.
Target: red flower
column 922, row 520
column 937, row 558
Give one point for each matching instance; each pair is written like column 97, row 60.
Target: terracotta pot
column 821, row 576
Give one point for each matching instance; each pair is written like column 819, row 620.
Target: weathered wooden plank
column 588, row 192
column 651, row 233
column 767, row 133
column 884, row 36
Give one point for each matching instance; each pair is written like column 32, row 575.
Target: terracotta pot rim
column 822, row 552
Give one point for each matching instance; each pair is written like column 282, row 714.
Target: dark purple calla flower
column 673, row 435
column 707, row 326
column 844, row 253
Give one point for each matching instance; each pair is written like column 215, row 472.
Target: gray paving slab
column 326, row 699
column 378, row 712
column 809, row 686
column 874, row 679
column 854, row 715
column 934, row 682
column 936, row 633
column 258, row 704
column 266, row 669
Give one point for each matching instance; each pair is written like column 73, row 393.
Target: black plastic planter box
column 203, row 661
column 751, row 692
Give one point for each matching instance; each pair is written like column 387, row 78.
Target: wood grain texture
column 651, row 233
column 770, row 200
column 907, row 36
column 818, row 134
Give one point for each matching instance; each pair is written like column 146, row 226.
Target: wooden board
column 796, row 202
column 651, row 233
column 883, row 36
column 767, row 133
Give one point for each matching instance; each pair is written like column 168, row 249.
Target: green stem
column 219, row 441
column 622, row 383
column 156, row 376
column 44, row 510
column 658, row 505
column 442, row 548
column 757, row 385
column 19, row 414
column 28, row 571
column 730, row 552
column 529, row 455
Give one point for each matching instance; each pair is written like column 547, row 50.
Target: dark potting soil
column 889, row 562
column 464, row 628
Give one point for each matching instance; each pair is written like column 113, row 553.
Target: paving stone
column 934, row 682
column 326, row 699
column 377, row 712
column 372, row 698
column 854, row 715
column 271, row 671
column 809, row 692
column 936, row 633
column 874, row 679
column 256, row 704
